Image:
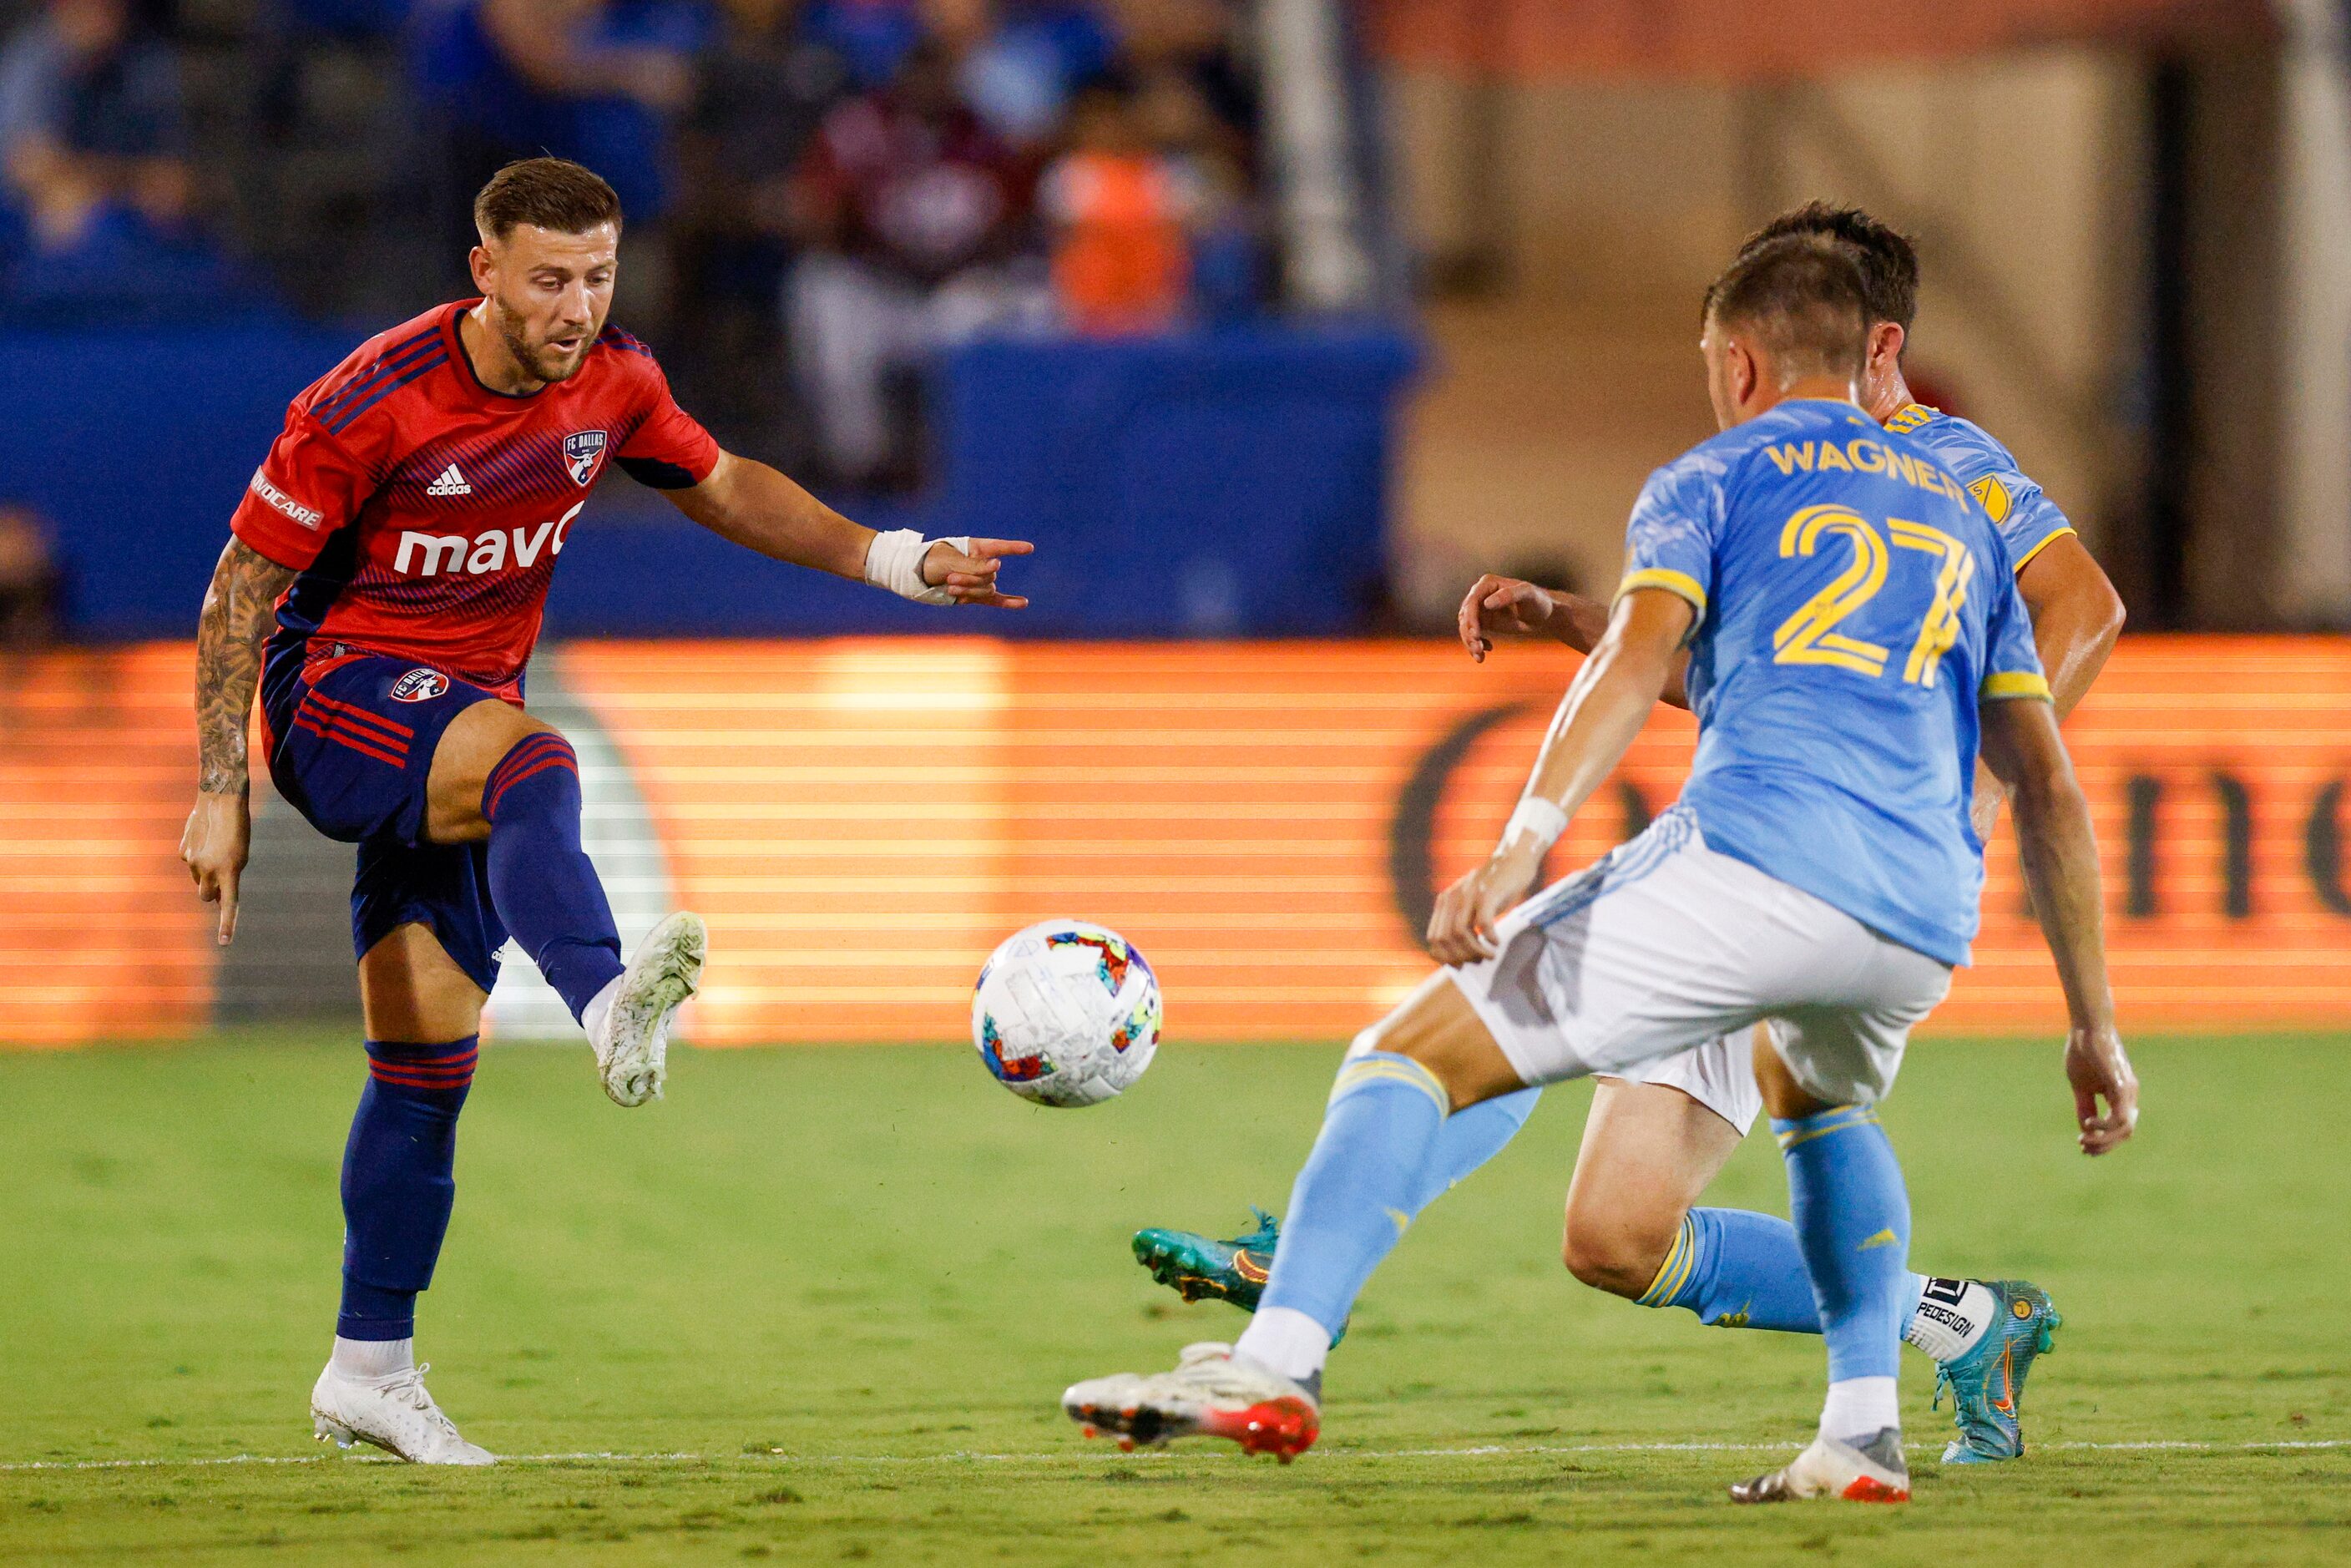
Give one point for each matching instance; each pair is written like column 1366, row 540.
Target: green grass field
column 819, row 1306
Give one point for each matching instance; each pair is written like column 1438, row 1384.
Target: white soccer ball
column 1066, row 1013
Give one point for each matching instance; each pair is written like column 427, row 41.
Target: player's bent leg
column 1648, row 1153
column 1736, row 1269
column 500, row 775
column 1432, row 1056
column 423, row 1012
column 1656, row 1138
column 1822, row 1080
column 410, row 989
column 474, row 743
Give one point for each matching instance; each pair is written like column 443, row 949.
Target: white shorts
column 1718, row 1075
column 1663, row 945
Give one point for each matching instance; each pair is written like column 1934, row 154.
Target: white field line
column 1099, row 1454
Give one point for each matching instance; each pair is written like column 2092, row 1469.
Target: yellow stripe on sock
column 1671, row 1272
column 1356, row 1074
column 1848, row 1117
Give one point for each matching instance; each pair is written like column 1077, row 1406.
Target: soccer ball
column 1066, row 1013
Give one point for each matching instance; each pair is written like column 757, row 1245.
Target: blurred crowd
column 821, row 193
column 94, row 161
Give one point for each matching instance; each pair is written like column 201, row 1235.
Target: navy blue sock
column 541, row 882
column 399, row 1182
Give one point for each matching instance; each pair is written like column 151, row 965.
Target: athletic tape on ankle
column 895, row 561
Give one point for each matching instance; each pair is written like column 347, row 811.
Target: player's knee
column 538, row 756
column 1620, row 1255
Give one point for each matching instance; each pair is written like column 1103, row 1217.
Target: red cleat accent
column 1864, row 1490
column 1282, row 1427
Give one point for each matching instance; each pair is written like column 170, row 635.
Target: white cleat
column 633, row 1047
column 393, row 1414
column 1874, row 1472
column 1212, row 1392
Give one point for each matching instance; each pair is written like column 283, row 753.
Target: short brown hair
column 1804, row 296
column 551, row 193
column 1887, row 257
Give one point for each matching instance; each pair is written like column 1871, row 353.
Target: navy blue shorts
column 349, row 738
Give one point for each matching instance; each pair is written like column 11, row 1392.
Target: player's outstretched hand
column 2099, row 1069
column 1496, row 605
column 971, row 578
column 1461, row 928
column 219, row 838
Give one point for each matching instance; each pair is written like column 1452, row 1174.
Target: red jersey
column 424, row 511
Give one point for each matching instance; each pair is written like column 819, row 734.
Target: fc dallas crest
column 583, row 451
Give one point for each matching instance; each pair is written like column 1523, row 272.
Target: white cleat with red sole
column 1873, row 1471
column 1212, row 1392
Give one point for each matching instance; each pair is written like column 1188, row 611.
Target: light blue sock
column 1853, row 1221
column 1737, row 1271
column 1352, row 1199
column 1471, row 1136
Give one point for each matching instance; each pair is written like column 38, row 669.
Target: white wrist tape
column 1536, row 818
column 895, row 561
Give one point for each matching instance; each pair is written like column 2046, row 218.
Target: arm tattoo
column 237, row 617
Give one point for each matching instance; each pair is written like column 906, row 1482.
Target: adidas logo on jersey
column 451, row 483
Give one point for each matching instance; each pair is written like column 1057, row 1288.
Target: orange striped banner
column 861, row 821
column 99, row 932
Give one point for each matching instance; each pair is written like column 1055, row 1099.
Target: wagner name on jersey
column 424, row 512
column 1855, row 605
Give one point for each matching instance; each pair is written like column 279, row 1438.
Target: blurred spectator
column 1122, row 212
column 912, row 213
column 874, row 37
column 765, row 89
column 601, row 81
column 1177, row 119
column 90, row 122
column 1019, row 61
column 1199, row 41
column 122, row 269
column 29, row 581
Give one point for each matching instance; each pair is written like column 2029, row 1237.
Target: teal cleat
column 1987, row 1381
column 1201, row 1269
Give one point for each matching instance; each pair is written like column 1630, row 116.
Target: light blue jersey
column 1855, row 605
column 2027, row 518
